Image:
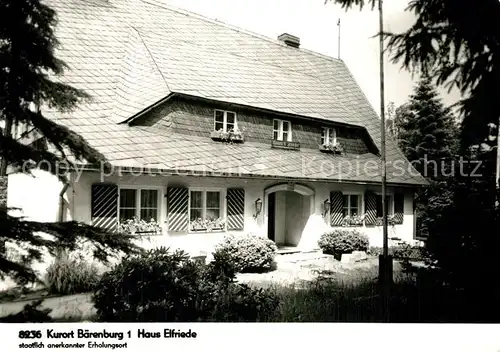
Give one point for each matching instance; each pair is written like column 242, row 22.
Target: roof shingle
column 130, row 54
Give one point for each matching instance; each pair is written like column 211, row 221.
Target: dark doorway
column 271, row 219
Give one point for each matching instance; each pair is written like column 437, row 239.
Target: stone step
column 302, row 256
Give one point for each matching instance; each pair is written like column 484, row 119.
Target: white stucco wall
column 36, row 195
column 314, row 226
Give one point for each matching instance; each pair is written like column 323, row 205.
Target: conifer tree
column 28, row 81
column 427, row 130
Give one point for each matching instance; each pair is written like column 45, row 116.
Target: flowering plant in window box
column 353, row 220
column 232, row 136
column 390, row 221
column 336, row 148
column 207, row 225
column 136, row 226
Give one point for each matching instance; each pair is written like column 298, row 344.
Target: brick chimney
column 290, row 40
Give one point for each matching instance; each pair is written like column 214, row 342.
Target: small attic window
column 282, row 130
column 225, row 121
column 328, row 136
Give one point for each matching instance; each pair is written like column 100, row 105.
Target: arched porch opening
column 287, row 208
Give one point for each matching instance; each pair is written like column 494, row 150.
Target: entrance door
column 271, row 218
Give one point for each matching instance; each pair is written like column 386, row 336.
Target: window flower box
column 139, row 227
column 231, row 136
column 207, row 225
column 354, row 220
column 335, row 148
column 390, row 221
column 285, row 144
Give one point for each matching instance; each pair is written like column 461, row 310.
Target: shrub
column 402, row 251
column 406, row 251
column 162, row 286
column 242, row 303
column 67, row 275
column 341, row 241
column 155, row 286
column 375, row 251
column 248, row 253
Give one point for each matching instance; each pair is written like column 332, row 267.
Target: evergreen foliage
column 427, row 131
column 28, row 82
column 428, row 135
column 461, row 50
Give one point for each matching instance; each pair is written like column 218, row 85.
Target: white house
column 210, row 129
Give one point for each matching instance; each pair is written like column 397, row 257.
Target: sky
column 315, row 23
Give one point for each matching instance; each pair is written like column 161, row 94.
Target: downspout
column 61, row 202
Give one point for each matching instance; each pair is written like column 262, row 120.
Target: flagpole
column 338, row 45
column 385, row 262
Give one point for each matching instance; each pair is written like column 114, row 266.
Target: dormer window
column 225, row 121
column 282, row 130
column 328, row 136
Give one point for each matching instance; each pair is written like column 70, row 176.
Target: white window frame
column 390, row 208
column 361, row 200
column 280, row 130
column 222, row 208
column 224, row 121
column 138, row 200
column 325, row 135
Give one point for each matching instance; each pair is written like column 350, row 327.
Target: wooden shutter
column 104, row 203
column 235, row 208
column 336, row 208
column 399, row 208
column 370, row 208
column 177, row 204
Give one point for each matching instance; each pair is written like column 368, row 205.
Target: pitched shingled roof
column 130, row 54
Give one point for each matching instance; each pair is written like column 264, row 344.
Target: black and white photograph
column 271, row 161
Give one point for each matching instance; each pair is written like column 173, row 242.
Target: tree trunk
column 498, row 166
column 7, row 132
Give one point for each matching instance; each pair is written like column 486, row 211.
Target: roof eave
column 215, row 174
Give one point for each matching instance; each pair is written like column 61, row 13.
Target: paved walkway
column 297, row 268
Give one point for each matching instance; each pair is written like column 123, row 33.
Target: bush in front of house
column 69, row 275
column 155, row 286
column 248, row 253
column 340, row 241
column 406, row 251
column 160, row 285
column 403, row 251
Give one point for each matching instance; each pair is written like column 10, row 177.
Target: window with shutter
column 235, row 208
column 388, row 205
column 370, row 208
column 399, row 208
column 178, row 202
column 205, row 210
column 104, row 206
column 336, row 208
